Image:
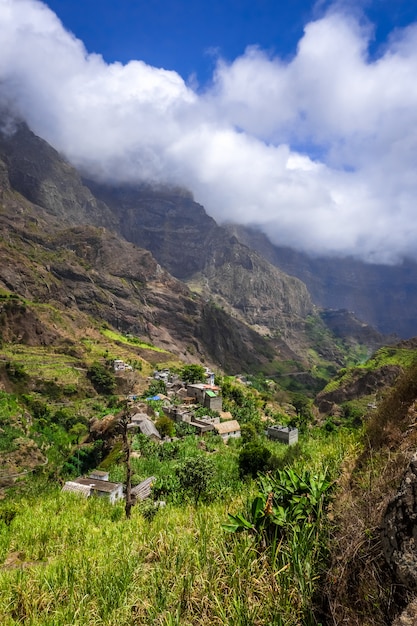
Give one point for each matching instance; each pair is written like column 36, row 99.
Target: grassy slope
column 71, row 561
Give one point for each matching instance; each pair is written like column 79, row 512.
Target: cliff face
column 56, row 247
column 215, row 265
column 150, row 261
column 383, row 296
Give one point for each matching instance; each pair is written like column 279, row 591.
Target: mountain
column 58, row 246
column 217, row 266
column 383, row 296
column 151, row 262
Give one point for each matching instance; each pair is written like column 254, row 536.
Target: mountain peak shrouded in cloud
column 319, row 150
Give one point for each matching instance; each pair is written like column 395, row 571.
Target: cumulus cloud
column 319, row 151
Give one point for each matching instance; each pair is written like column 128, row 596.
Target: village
column 182, row 402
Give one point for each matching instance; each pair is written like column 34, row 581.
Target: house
column 284, row 434
column 209, row 377
column 227, row 430
column 73, row 487
column 95, row 486
column 206, row 395
column 121, row 366
column 146, row 426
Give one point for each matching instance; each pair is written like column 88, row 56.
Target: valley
column 116, row 304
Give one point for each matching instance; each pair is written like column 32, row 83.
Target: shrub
column 16, row 371
column 165, row 426
column 253, row 458
column 195, row 476
column 102, row 380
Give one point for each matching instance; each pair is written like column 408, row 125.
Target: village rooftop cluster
column 180, row 404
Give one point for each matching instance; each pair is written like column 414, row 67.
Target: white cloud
column 319, row 150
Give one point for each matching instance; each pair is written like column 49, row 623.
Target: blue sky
column 184, row 35
column 298, row 117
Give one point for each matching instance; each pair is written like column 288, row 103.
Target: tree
column 124, row 421
column 77, row 431
column 253, row 458
column 248, row 432
column 195, row 475
column 165, row 426
column 193, row 374
column 102, row 380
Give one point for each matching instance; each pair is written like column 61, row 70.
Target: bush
column 16, row 371
column 253, row 458
column 165, row 426
column 195, row 476
column 102, row 380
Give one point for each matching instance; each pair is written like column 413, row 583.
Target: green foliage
column 182, row 429
column 8, row 512
column 195, row 476
column 253, row 458
column 248, row 432
column 16, row 371
column 165, row 426
column 38, row 408
column 155, row 387
column 243, row 404
column 101, row 378
column 78, row 431
column 202, row 411
column 285, row 519
column 85, row 459
column 193, row 374
column 80, row 562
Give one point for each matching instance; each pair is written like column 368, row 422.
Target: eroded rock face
column 361, row 383
column 399, row 530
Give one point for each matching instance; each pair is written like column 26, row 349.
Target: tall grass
column 66, row 561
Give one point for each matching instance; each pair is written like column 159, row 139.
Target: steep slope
column 51, row 251
column 60, row 244
column 190, row 245
column 384, row 296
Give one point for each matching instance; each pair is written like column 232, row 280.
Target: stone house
column 143, row 424
column 283, row 434
column 121, row 366
column 206, row 395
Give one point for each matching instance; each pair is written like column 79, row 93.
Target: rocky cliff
column 150, row 261
column 383, row 296
column 56, row 246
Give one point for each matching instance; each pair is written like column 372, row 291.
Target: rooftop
column 98, row 485
column 227, row 427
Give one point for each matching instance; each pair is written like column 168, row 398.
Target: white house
column 95, row 486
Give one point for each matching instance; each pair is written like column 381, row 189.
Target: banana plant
column 284, row 500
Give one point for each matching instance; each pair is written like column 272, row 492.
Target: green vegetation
column 65, row 560
column 129, row 340
column 102, row 379
column 193, row 374
column 389, row 355
column 68, row 560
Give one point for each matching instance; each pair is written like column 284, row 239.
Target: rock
column 399, row 530
column 409, row 616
